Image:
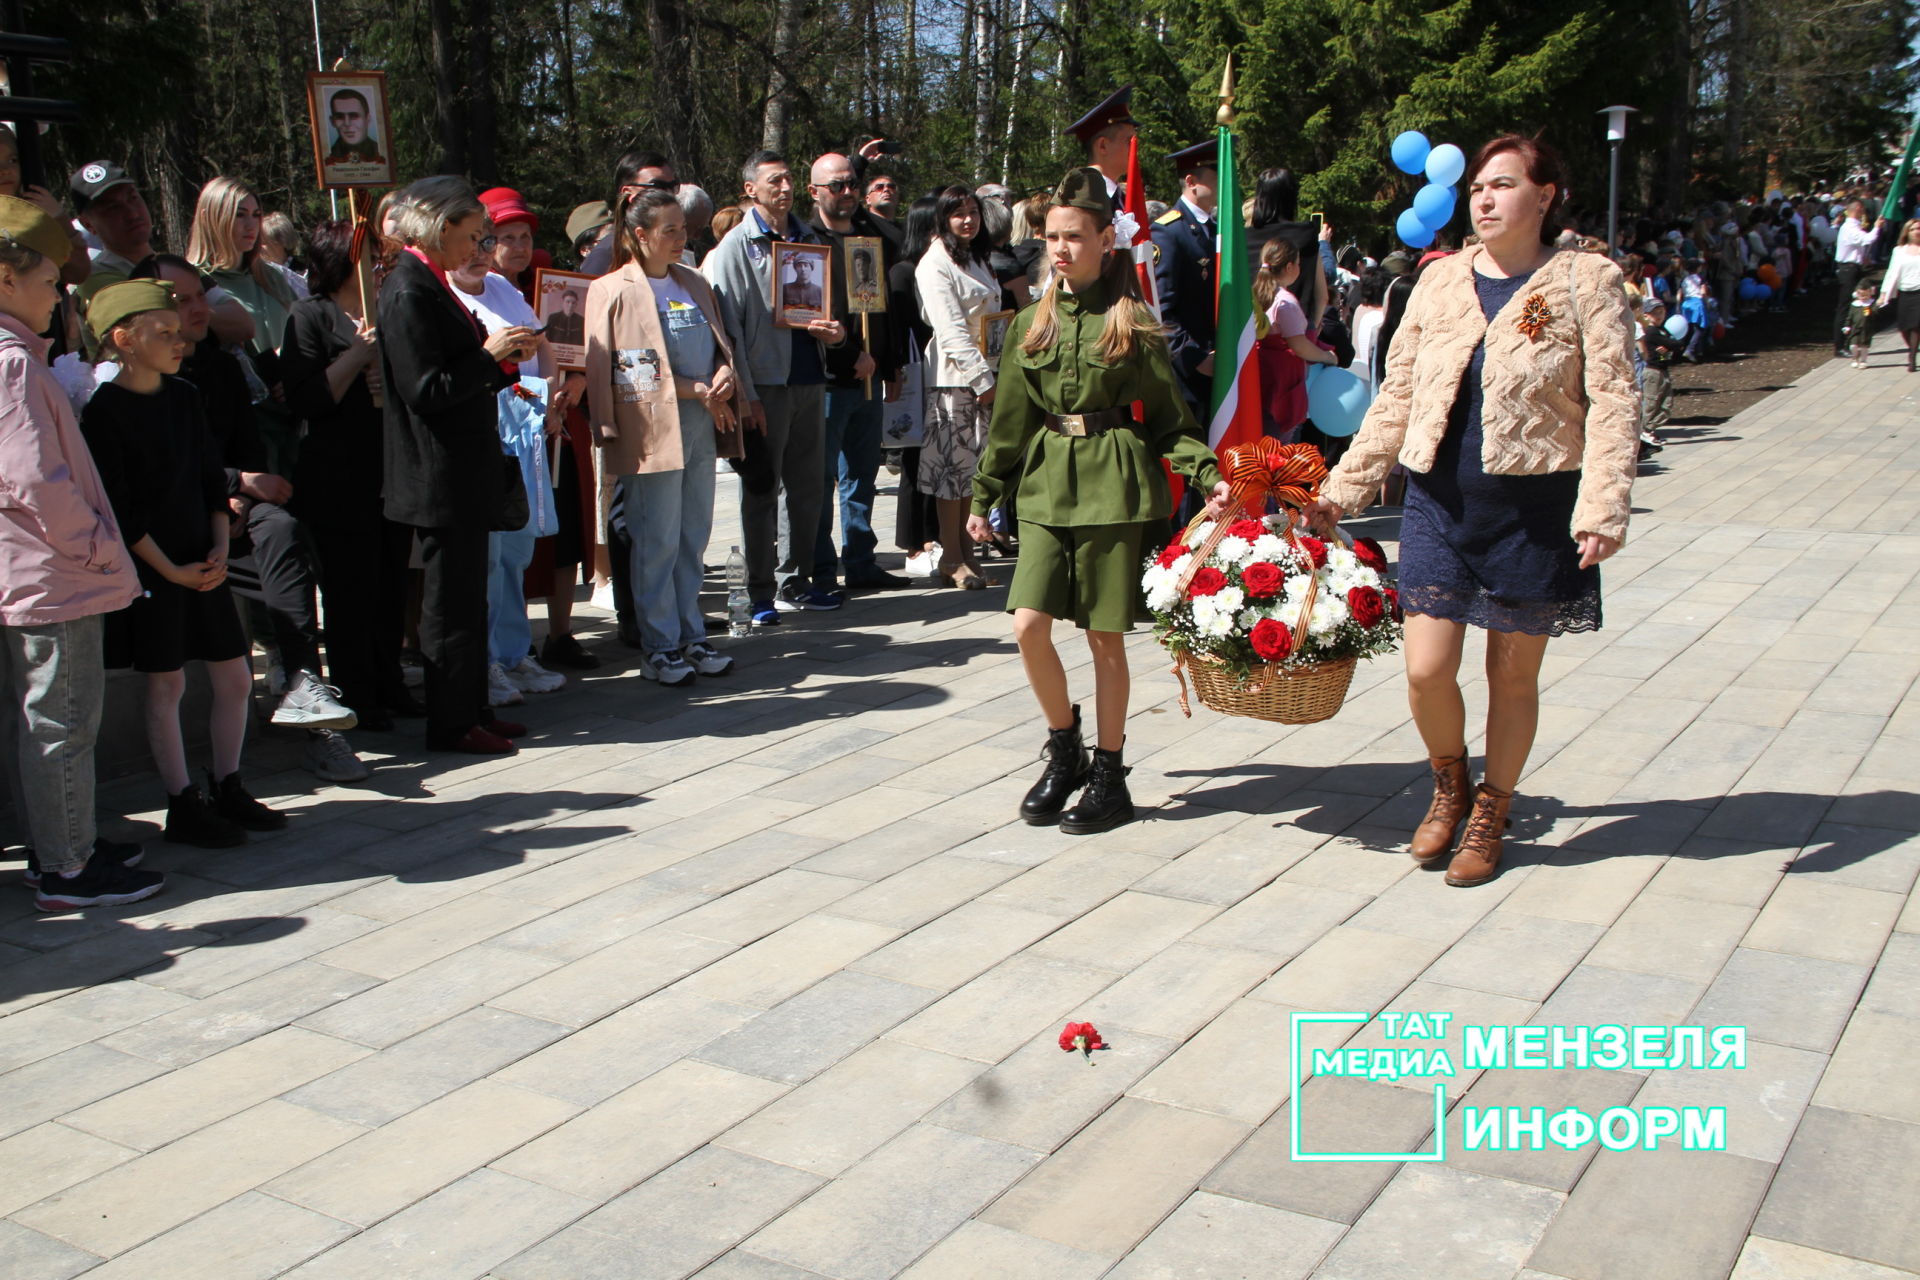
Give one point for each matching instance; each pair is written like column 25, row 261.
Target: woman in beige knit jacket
column 1510, row 399
column 664, row 401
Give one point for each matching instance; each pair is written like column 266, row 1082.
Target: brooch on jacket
column 1534, row 316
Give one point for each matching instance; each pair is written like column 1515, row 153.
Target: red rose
column 1367, row 605
column 1316, row 551
column 1248, row 529
column 1081, row 1036
column 1208, row 581
column 1368, row 553
column 1393, row 604
column 1173, row 552
column 1262, row 581
column 1271, row 639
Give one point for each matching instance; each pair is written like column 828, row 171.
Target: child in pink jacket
column 62, row 566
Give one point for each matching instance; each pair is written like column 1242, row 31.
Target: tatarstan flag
column 1236, row 371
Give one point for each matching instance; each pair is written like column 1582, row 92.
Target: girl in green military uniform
column 1086, row 478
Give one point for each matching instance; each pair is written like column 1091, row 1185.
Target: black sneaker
column 567, row 651
column 191, row 819
column 125, row 853
column 231, row 801
column 101, row 883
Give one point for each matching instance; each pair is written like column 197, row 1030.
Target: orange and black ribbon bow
column 1290, row 474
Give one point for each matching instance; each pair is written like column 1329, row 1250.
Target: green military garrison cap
column 116, row 302
column 1085, row 188
column 27, row 224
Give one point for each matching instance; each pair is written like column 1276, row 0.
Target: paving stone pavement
column 759, row 979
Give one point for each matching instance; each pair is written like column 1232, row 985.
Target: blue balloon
column 1445, row 164
column 1410, row 229
column 1753, row 291
column 1409, row 151
column 1677, row 326
column 1433, row 205
column 1337, row 399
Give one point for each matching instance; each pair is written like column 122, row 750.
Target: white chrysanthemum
column 1296, row 586
column 1164, row 595
column 1273, row 550
column 1200, row 535
column 1180, row 566
column 1215, row 625
column 1152, row 577
column 1329, row 615
column 1229, row 599
column 1232, row 550
column 1249, row 619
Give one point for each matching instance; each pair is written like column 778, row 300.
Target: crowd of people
column 224, row 442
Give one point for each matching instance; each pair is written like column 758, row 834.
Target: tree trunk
column 982, row 83
column 779, row 111
column 671, row 55
column 1022, row 43
column 449, row 108
column 483, row 113
column 1734, row 124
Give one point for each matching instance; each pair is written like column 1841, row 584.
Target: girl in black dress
column 162, row 472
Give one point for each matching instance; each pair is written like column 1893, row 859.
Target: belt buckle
column 1073, row 424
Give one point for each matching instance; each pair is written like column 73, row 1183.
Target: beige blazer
column 1562, row 399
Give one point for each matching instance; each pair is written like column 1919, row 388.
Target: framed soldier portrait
column 352, row 138
column 990, row 333
column 866, row 287
column 802, row 274
column 560, row 302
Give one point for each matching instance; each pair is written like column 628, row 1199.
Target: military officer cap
column 1201, row 155
column 1116, row 109
column 587, row 219
column 1085, row 188
column 26, row 224
column 115, row 303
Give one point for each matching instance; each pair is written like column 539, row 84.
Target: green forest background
column 1735, row 96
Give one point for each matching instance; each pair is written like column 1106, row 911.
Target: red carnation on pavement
column 1173, row 552
column 1248, row 529
column 1081, row 1036
column 1316, row 551
column 1368, row 606
column 1368, row 553
column 1262, row 581
column 1208, row 581
column 1270, row 639
column 1393, row 604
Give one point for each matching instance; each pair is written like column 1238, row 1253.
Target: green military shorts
column 1089, row 575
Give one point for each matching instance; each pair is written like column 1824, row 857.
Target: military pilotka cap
column 26, row 224
column 587, row 219
column 1201, row 155
column 93, row 180
column 1115, row 110
column 1085, row 189
column 116, row 302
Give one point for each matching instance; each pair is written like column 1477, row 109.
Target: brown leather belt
column 1099, row 422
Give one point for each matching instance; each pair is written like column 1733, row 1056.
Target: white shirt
column 1366, row 332
column 1855, row 242
column 1205, row 218
column 1903, row 272
column 500, row 306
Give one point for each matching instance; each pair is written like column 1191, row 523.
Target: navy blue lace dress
column 1493, row 551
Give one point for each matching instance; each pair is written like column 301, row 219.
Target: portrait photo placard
column 352, row 137
column 802, row 275
column 560, row 302
column 990, row 332
column 863, row 266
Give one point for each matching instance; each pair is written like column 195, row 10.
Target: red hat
column 504, row 205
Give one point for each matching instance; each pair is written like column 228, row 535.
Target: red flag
column 1142, row 243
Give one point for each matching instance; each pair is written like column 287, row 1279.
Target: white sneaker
column 331, row 759
column 528, row 676
column 502, row 692
column 669, row 668
column 602, row 597
column 922, row 564
column 706, row 659
column 308, row 704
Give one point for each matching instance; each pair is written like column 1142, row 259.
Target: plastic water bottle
column 739, row 608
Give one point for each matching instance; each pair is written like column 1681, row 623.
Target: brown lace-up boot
column 1433, row 838
column 1479, row 856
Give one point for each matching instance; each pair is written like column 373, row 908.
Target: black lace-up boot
column 1066, row 772
column 1105, row 803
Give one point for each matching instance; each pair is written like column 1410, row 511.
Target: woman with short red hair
column 1510, row 399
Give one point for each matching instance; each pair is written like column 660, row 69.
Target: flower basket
column 1266, row 621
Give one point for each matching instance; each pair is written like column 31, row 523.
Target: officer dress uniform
column 1184, row 253
column 1085, row 476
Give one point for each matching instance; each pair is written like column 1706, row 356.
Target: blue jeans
column 509, row 635
column 853, row 461
column 669, row 517
column 52, row 687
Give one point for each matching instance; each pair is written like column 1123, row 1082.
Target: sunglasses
column 839, row 186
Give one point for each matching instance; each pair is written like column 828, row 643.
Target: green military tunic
column 1083, row 501
column 1111, row 478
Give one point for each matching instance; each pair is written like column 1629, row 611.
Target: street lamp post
column 1616, row 133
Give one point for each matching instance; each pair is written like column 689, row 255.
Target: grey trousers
column 52, row 688
column 788, row 463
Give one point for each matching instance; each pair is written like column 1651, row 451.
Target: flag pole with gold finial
column 1235, row 417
